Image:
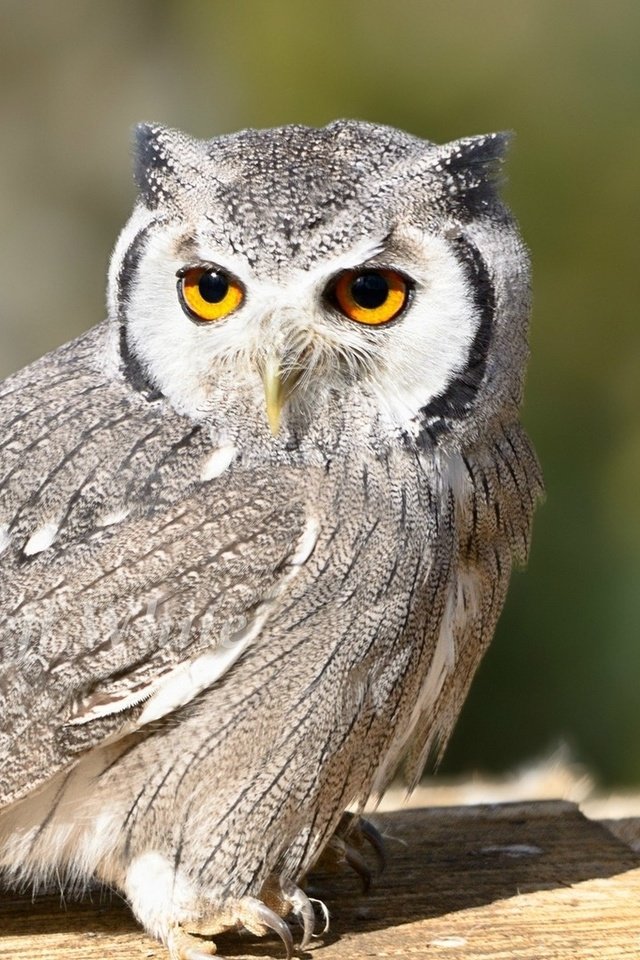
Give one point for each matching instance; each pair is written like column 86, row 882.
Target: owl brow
column 358, row 257
column 378, row 248
column 388, row 250
column 186, row 247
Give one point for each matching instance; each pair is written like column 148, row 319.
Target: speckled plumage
column 214, row 640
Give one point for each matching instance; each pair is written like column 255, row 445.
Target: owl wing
column 498, row 492
column 132, row 576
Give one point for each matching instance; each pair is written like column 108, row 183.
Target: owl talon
column 354, row 835
column 374, row 838
column 339, row 852
column 357, row 832
column 257, row 917
column 302, row 909
column 359, row 865
column 325, row 915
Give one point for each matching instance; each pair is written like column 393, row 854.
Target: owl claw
column 359, row 865
column 355, row 831
column 375, row 840
column 325, row 915
column 302, row 909
column 353, row 835
column 255, row 914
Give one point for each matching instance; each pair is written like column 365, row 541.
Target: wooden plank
column 509, row 882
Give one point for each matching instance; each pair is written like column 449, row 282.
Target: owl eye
column 371, row 296
column 208, row 293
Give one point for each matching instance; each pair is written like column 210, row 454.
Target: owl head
column 300, row 285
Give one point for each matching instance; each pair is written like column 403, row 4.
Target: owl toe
column 249, row 913
column 184, row 946
column 354, row 837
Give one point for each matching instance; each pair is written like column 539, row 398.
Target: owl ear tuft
column 470, row 167
column 156, row 167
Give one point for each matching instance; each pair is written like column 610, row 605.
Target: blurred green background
column 74, row 76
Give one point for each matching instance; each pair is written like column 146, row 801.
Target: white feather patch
column 218, row 461
column 306, row 543
column 113, row 517
column 443, row 662
column 190, row 679
column 160, row 894
column 5, row 537
column 42, row 538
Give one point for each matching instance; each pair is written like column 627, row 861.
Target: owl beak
column 278, row 386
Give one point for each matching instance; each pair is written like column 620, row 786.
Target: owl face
column 300, row 275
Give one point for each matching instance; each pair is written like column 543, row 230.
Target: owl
column 257, row 527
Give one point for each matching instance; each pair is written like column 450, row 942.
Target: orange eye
column 371, row 296
column 208, row 294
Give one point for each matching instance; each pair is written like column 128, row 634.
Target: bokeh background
column 76, row 74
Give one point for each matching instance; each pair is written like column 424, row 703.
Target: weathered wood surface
column 511, row 882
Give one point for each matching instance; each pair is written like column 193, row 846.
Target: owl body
column 251, row 559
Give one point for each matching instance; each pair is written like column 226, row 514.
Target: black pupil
column 213, row 286
column 370, row 290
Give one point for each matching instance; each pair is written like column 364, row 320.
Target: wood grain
column 509, row 882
